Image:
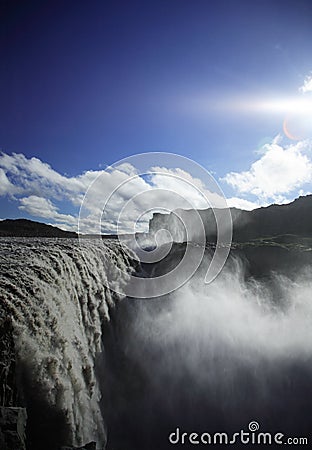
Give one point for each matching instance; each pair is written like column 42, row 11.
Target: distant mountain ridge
column 29, row 228
column 294, row 218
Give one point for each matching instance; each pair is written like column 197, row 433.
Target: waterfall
column 204, row 357
column 54, row 293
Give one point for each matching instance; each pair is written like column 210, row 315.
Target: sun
column 297, row 113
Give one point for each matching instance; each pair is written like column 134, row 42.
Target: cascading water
column 54, row 292
column 203, row 358
column 212, row 358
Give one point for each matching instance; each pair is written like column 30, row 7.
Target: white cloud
column 37, row 206
column 34, row 176
column 6, row 187
column 162, row 189
column 307, row 85
column 119, row 195
column 194, row 192
column 241, row 203
column 40, row 190
column 278, row 172
column 64, row 226
column 43, row 207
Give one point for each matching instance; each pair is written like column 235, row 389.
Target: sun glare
column 295, row 112
column 286, row 105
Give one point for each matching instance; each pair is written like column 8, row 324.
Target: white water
column 54, row 291
column 244, row 318
column 215, row 357
column 246, row 321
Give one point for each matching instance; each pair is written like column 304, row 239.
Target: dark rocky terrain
column 275, row 220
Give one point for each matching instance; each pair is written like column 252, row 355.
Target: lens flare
column 298, row 126
column 288, row 132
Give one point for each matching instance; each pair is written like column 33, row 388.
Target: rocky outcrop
column 90, row 446
column 12, row 418
column 12, row 428
column 294, row 218
column 8, row 392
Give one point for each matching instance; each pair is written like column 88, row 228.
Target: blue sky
column 85, row 84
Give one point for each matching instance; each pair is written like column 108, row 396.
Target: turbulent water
column 204, row 358
column 55, row 292
column 213, row 358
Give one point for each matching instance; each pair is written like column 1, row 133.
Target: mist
column 212, row 358
column 93, row 365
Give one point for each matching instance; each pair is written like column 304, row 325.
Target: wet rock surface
column 89, row 446
column 12, row 428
